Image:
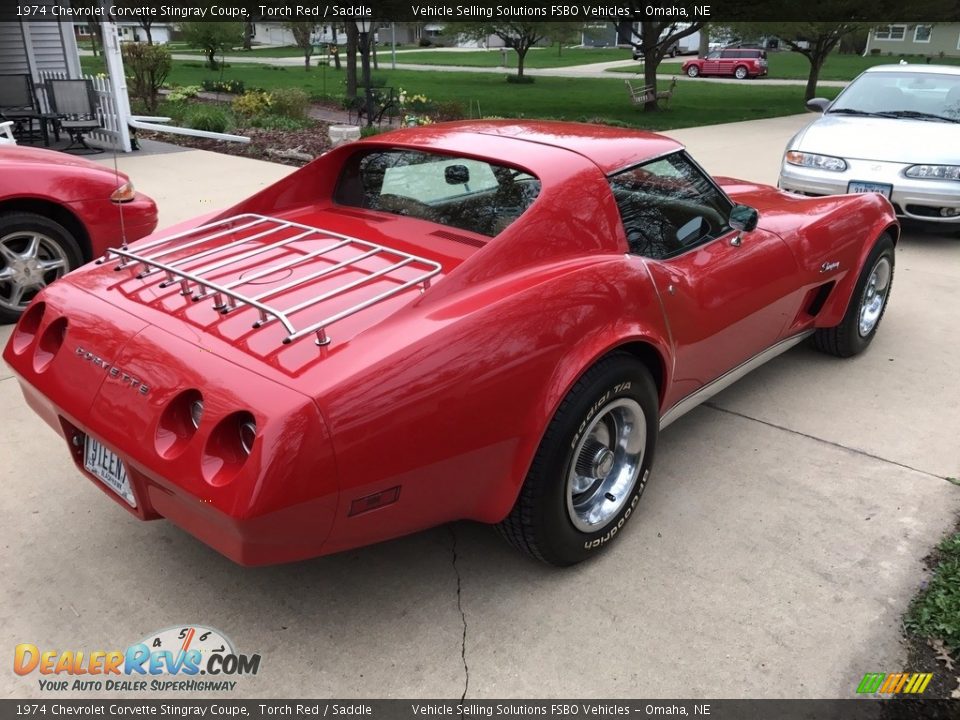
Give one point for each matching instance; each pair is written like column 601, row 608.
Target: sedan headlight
column 812, row 160
column 124, row 193
column 933, row 172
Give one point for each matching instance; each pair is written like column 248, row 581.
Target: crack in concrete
column 463, row 619
column 864, row 453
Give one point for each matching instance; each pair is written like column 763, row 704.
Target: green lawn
column 794, row 66
column 560, row 98
column 536, row 57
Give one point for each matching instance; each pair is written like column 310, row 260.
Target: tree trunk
column 306, row 59
column 212, row 58
column 248, row 30
column 351, row 60
column 373, row 50
column 149, row 34
column 521, row 55
column 815, row 64
column 704, row 47
column 650, row 63
column 336, row 47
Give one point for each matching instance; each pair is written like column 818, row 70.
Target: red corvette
column 56, row 213
column 482, row 320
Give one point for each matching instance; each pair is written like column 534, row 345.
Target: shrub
column 519, row 79
column 425, row 41
column 252, row 102
column 290, row 103
column 211, row 119
column 229, row 86
column 148, row 66
column 185, row 92
column 449, row 110
column 277, row 122
column 369, row 131
column 874, row 51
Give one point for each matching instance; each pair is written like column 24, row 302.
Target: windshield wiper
column 849, row 111
column 916, row 114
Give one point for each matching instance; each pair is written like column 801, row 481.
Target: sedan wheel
column 34, row 251
column 592, row 465
column 693, row 71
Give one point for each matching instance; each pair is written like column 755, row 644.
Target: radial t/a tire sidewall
column 619, row 377
column 859, row 343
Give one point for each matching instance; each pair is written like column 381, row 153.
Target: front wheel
column 740, row 73
column 867, row 305
column 34, row 251
column 693, row 71
column 591, row 467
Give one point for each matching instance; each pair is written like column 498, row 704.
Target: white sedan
column 894, row 130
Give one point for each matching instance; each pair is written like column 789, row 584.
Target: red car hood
column 17, row 155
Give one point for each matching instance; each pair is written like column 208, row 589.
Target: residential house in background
column 914, row 39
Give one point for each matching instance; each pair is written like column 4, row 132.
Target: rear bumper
column 275, row 505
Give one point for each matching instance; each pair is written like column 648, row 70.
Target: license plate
column 107, row 467
column 864, row 187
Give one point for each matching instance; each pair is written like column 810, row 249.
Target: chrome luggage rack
column 254, row 230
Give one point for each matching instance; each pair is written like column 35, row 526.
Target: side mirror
column 456, row 174
column 818, row 105
column 744, row 218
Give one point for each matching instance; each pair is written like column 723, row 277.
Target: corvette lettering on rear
column 113, row 371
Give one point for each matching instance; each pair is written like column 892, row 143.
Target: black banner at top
column 324, row 12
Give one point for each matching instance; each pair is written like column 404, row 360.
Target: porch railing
column 109, row 135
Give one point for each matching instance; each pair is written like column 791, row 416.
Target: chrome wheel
column 605, row 464
column 875, row 296
column 29, row 261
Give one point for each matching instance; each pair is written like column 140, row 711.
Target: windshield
column 905, row 93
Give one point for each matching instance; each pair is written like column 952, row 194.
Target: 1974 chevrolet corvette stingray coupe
column 478, row 320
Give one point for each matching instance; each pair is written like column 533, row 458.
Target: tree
column 653, row 41
column 147, row 68
column 146, row 25
column 519, row 35
column 212, row 37
column 303, row 33
column 334, row 46
column 248, row 32
column 352, row 37
column 564, row 34
column 814, row 40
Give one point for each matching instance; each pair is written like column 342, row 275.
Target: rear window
column 459, row 192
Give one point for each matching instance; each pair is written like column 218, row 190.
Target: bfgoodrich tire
column 867, row 305
column 591, row 467
column 34, row 251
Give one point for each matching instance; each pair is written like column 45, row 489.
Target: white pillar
column 118, row 82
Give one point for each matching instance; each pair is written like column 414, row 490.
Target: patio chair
column 18, row 104
column 6, row 133
column 75, row 103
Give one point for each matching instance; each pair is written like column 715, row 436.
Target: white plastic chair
column 6, row 133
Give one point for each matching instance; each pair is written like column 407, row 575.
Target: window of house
column 921, row 33
column 890, row 32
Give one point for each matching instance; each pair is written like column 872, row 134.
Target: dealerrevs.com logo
column 185, row 658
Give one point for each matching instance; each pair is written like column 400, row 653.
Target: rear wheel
column 693, row 71
column 740, row 73
column 867, row 305
column 591, row 467
column 34, row 251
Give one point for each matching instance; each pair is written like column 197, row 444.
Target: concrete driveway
column 778, row 543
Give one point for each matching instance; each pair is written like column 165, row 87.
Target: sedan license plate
column 856, row 186
column 108, row 468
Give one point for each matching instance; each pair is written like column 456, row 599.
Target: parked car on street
column 57, row 212
column 738, row 62
column 895, row 130
column 477, row 320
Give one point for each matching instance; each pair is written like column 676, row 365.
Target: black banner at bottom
column 506, row 709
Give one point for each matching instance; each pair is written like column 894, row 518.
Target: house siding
column 944, row 39
column 13, row 54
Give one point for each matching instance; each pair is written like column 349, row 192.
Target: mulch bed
column 264, row 144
